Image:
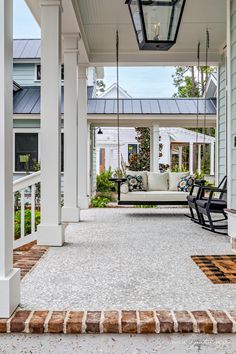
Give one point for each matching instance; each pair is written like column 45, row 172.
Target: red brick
column 56, row 322
column 147, row 322
column 111, row 322
column 185, row 323
column 17, row 324
column 129, row 322
column 204, row 322
column 93, row 321
column 75, row 322
column 37, row 321
column 224, row 324
column 166, row 321
column 3, row 325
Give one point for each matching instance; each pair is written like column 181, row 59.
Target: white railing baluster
column 33, row 208
column 22, row 213
column 23, row 185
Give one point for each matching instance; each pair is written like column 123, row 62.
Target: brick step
column 140, row 322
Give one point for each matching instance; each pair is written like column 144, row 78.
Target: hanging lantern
column 156, row 23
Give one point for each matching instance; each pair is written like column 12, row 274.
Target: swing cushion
column 185, row 184
column 158, row 181
column 174, row 179
column 154, row 196
column 140, row 173
column 135, row 183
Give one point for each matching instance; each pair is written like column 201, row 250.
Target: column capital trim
column 82, row 72
column 51, row 3
column 71, row 42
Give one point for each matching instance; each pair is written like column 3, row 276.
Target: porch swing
column 149, row 196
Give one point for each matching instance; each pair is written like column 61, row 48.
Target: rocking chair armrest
column 214, row 189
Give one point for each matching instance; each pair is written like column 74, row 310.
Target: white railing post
column 33, row 208
column 9, row 277
column 22, row 213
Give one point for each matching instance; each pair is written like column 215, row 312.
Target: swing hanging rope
column 198, row 84
column 118, row 102
column 205, row 101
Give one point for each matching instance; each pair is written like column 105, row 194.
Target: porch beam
column 9, row 277
column 83, row 199
column 51, row 231
column 70, row 210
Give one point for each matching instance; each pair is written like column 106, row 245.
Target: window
column 38, row 72
column 132, row 149
column 26, row 151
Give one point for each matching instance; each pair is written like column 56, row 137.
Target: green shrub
column 100, row 201
column 103, row 183
column 17, row 222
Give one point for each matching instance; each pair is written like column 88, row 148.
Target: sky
column 138, row 82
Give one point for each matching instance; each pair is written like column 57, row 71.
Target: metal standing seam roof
column 27, row 101
column 27, row 49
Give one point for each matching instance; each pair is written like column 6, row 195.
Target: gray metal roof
column 27, row 101
column 26, row 49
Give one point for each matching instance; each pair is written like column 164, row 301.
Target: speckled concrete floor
column 129, row 259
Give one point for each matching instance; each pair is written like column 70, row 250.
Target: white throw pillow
column 158, row 181
column 124, row 188
column 140, row 173
column 174, row 179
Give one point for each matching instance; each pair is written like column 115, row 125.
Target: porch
column 144, row 263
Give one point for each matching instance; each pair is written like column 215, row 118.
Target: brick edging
column 136, row 322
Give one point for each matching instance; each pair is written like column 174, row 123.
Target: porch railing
column 26, row 194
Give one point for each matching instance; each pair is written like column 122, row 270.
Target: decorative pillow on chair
column 185, row 184
column 135, row 183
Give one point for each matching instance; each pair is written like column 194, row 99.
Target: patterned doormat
column 219, row 269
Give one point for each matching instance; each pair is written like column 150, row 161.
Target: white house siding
column 24, row 74
column 222, row 119
column 233, row 104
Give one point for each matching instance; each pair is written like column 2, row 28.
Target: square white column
column 82, row 139
column 212, row 159
column 9, row 277
column 191, row 158
column 70, row 210
column 51, row 231
column 156, row 150
column 151, row 149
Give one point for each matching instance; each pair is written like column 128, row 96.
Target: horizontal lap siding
column 233, row 102
column 24, row 74
column 222, row 120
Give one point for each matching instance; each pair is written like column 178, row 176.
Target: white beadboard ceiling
column 99, row 19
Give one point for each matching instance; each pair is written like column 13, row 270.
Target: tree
column 100, row 87
column 141, row 160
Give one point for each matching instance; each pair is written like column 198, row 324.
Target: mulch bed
column 218, row 269
column 26, row 257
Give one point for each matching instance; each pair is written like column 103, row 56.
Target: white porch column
column 199, row 164
column 51, row 231
column 151, row 149
column 156, row 152
column 9, row 277
column 82, row 139
column 212, row 159
column 191, row 158
column 70, row 211
column 180, row 157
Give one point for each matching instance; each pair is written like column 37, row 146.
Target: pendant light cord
column 118, row 100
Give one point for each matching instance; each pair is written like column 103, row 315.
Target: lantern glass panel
column 161, row 19
column 136, row 19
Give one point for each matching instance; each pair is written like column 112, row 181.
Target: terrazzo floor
column 129, row 259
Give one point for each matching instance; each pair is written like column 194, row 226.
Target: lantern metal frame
column 162, row 45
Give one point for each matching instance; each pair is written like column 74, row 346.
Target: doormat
column 219, row 269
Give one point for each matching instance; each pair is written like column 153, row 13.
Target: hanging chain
column 118, row 101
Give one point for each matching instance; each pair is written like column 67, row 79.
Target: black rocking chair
column 207, row 206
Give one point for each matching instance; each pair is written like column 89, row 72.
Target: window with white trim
column 26, row 152
column 38, row 72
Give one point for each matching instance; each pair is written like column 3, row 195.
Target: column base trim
column 70, row 214
column 232, row 226
column 84, row 203
column 51, row 235
column 10, row 293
